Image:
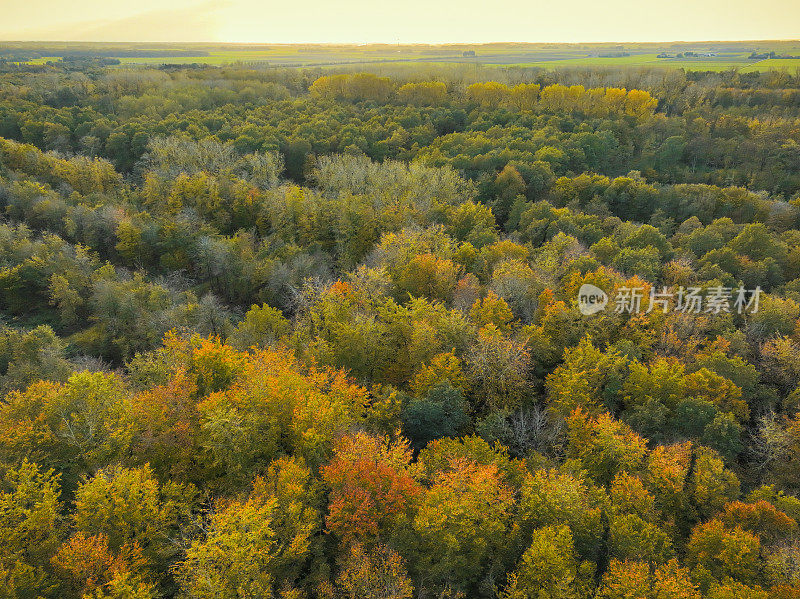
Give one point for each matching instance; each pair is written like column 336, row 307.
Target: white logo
column 591, row 299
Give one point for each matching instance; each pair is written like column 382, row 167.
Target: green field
column 712, row 56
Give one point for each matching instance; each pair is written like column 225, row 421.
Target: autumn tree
column 254, row 547
column 604, row 447
column 87, row 566
column 373, row 489
column 498, row 368
column 30, row 529
column 277, row 407
column 128, row 508
column 721, row 552
column 548, row 568
column 457, row 551
column 376, row 574
column 636, row 580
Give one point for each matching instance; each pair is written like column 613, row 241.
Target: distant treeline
column 67, row 53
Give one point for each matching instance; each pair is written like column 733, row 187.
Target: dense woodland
column 313, row 334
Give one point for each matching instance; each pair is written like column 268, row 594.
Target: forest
column 314, row 333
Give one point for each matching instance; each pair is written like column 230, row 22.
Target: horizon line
column 396, row 43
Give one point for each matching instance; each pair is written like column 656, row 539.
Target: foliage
column 279, row 332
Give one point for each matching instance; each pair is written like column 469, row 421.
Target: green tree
column 30, row 530
column 442, row 413
column 548, row 568
column 253, row 547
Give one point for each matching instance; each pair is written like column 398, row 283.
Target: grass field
column 284, row 58
column 718, row 63
column 724, row 55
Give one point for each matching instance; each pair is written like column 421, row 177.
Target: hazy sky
column 285, row 21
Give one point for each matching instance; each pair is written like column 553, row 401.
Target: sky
column 398, row 21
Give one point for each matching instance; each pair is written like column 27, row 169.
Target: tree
column 760, row 518
column 276, row 407
column 353, row 87
column 782, row 357
column 498, row 368
column 427, row 93
column 377, row 574
column 519, row 286
column 632, row 537
column 491, row 310
column 508, row 185
column 635, row 580
column 725, row 552
column 79, row 424
column 461, row 523
column 262, row 326
column 373, row 490
column 640, row 103
column 26, row 357
column 689, row 483
column 625, row 580
column 30, row 529
column 442, row 413
column 589, row 378
column 737, row 590
column 443, row 367
column 552, row 499
column 164, row 426
column 128, row 507
column 489, row 94
column 88, row 567
column 548, row 568
column 427, row 275
column 720, row 391
column 472, row 223
column 603, row 446
column 253, row 547
column 724, row 434
column 442, row 454
column 524, row 95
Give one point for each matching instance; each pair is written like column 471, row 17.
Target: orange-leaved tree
column 373, row 488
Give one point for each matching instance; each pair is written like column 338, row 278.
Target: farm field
column 710, row 56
